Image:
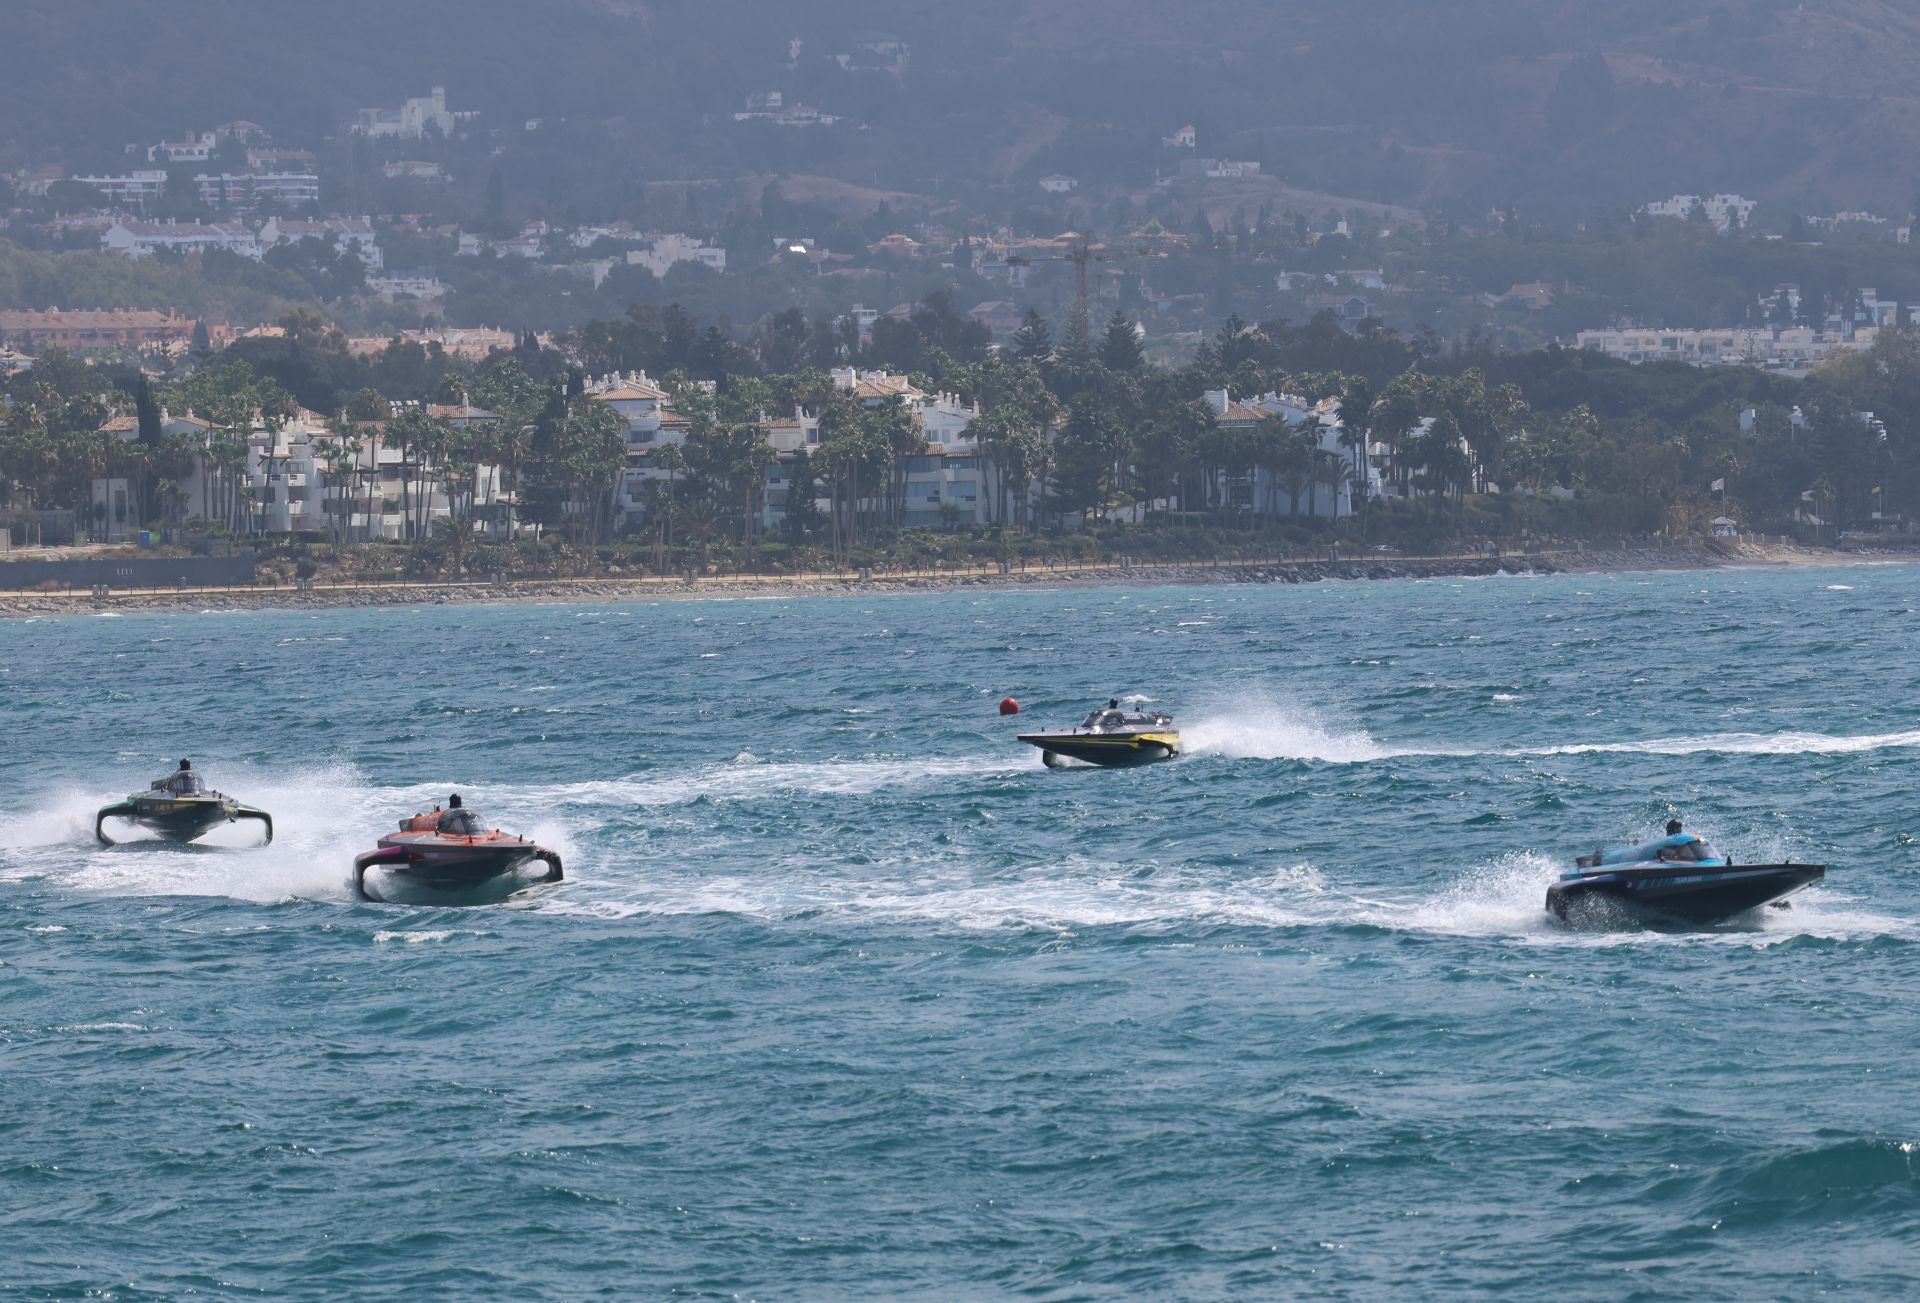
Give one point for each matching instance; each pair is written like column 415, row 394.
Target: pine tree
column 1077, row 349
column 1120, row 350
column 1033, row 342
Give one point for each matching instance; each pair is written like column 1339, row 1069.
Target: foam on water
column 1263, row 726
column 1762, row 744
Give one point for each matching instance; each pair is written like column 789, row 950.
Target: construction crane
column 1081, row 251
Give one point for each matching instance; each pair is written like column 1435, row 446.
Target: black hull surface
column 178, row 819
column 1684, row 895
column 1108, row 751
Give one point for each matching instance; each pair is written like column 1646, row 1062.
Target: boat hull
column 440, row 866
column 178, row 818
column 1686, row 895
column 1109, row 750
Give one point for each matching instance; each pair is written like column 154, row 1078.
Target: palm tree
column 340, row 453
column 1336, row 474
column 1396, row 414
column 671, row 459
column 1308, row 433
column 458, row 528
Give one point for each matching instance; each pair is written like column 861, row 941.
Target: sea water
column 846, row 996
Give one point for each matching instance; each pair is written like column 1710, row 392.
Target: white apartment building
column 198, row 147
column 1720, row 210
column 138, row 188
column 247, row 191
column 411, row 120
column 410, row 285
column 134, row 239
column 1260, row 490
column 667, row 250
column 1795, row 348
column 353, row 235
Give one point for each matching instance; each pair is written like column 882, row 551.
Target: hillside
column 1557, row 106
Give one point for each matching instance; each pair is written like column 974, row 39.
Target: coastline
column 619, row 589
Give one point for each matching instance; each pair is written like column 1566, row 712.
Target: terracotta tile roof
column 121, row 425
column 892, row 387
column 629, row 393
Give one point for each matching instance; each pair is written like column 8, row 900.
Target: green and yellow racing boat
column 179, row 808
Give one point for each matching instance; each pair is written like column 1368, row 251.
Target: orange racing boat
column 451, row 850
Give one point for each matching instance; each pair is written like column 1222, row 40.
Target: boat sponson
column 453, row 865
column 178, row 818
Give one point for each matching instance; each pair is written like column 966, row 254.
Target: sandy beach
column 628, row 589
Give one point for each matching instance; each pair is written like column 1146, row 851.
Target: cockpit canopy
column 1109, row 720
column 460, row 823
column 1680, row 848
column 183, row 782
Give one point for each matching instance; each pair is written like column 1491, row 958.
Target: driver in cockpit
column 182, row 781
column 458, row 820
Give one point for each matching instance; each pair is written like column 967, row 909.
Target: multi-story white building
column 136, row 239
column 415, row 170
column 666, row 250
column 422, row 285
column 353, row 235
column 1721, row 210
column 1261, row 489
column 198, row 147
column 411, row 120
column 247, row 191
column 138, row 188
column 1795, row 348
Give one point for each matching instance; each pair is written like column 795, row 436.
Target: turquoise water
column 847, row 997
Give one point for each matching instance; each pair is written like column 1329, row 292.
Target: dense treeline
column 1078, row 432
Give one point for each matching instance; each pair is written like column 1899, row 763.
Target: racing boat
column 178, row 808
column 1111, row 737
column 1677, row 880
column 451, row 850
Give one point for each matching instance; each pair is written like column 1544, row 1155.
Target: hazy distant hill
column 1557, row 106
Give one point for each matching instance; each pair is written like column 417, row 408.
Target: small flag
column 1719, row 486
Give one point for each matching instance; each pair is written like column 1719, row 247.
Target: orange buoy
column 1008, row 706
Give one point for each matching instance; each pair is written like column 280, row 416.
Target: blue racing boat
column 1676, row 880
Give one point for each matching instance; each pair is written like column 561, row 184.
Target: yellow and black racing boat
column 1111, row 737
